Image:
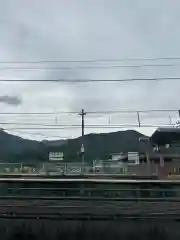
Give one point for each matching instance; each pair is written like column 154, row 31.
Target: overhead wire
column 88, row 67
column 63, row 126
column 72, row 81
column 38, row 113
column 41, row 124
column 55, row 127
column 93, row 80
column 90, row 112
column 92, row 60
column 42, row 135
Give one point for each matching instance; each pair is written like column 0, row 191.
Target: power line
column 70, row 125
column 90, row 112
column 133, row 111
column 72, row 81
column 89, row 67
column 43, row 135
column 41, row 124
column 38, row 113
column 93, row 60
column 92, row 127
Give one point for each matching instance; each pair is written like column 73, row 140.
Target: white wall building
column 133, row 158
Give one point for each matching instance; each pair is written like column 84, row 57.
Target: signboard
column 133, row 158
column 73, row 170
column 56, row 156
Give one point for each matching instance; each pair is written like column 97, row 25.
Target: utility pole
column 82, row 114
column 138, row 117
column 170, row 120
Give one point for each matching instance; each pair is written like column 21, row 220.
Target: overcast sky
column 46, row 30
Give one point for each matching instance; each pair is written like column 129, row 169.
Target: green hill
column 17, row 149
column 14, row 148
column 102, row 145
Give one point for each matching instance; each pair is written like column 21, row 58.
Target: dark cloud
column 10, row 100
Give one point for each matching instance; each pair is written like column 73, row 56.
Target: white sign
column 56, row 156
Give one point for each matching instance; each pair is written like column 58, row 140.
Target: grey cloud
column 10, row 100
column 72, row 30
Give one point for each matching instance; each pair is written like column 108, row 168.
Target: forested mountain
column 14, row 148
column 102, row 145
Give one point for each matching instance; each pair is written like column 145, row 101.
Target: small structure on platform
column 133, row 158
column 165, row 136
column 118, row 157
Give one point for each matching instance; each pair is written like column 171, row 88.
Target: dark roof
column 164, row 136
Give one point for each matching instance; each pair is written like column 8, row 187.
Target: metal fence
column 76, row 168
column 16, row 168
column 45, row 168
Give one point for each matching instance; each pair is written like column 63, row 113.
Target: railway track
column 89, row 208
column 70, row 197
